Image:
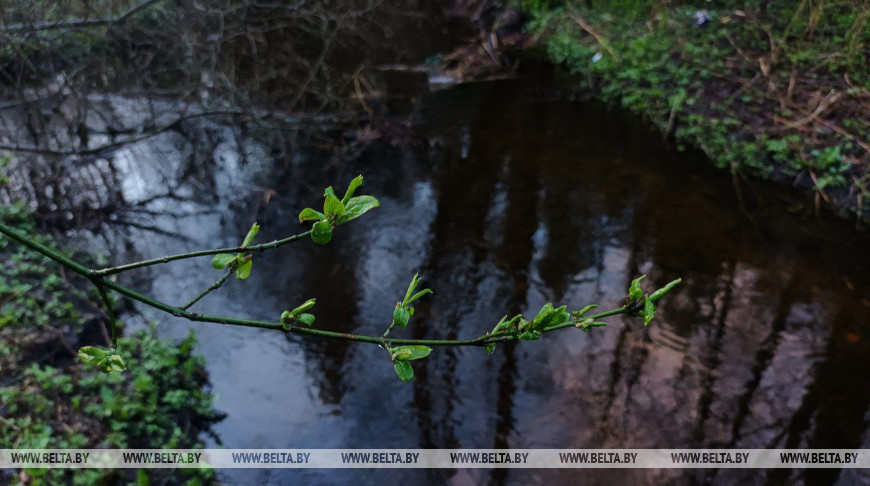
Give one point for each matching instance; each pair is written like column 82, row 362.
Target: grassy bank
column 777, row 89
column 49, row 400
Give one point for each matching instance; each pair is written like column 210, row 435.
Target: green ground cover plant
column 49, row 400
column 775, row 89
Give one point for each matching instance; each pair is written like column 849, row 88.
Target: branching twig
column 111, row 310
column 209, row 290
column 336, row 211
column 194, row 254
column 101, row 149
column 101, row 282
column 81, row 23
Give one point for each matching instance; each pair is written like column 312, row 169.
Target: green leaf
column 114, row 364
column 252, row 233
column 658, row 294
column 409, row 353
column 501, row 325
column 244, row 270
column 584, row 310
column 548, row 316
column 298, row 314
column 328, row 191
column 544, row 313
column 530, row 336
column 91, row 355
column 357, row 206
column 415, row 280
column 523, row 325
column 101, row 358
column 142, row 478
column 489, row 348
column 287, row 320
column 419, row 352
column 649, row 311
column 513, row 322
column 401, row 316
column 559, row 316
column 321, row 232
column 418, row 295
column 585, row 324
column 332, row 206
column 309, row 214
column 221, row 260
column 304, row 307
column 404, row 370
column 351, row 188
column 634, row 291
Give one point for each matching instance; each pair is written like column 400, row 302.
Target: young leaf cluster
column 240, row 263
column 337, row 211
column 548, row 318
column 107, row 360
column 584, row 323
column 403, row 311
column 401, row 355
column 298, row 315
column 642, row 304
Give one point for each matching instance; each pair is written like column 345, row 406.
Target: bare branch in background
column 81, row 23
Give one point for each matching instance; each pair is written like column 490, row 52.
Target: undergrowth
column 47, row 400
column 777, row 89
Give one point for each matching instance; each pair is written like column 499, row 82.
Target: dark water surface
column 504, row 198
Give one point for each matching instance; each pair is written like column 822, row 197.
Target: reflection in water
column 507, row 200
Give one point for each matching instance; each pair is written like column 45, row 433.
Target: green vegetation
column 778, row 89
column 336, row 212
column 48, row 401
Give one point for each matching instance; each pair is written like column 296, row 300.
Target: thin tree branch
column 491, row 338
column 181, row 256
column 111, row 310
column 117, row 144
column 82, row 23
column 81, row 152
column 103, row 283
column 209, row 290
column 389, row 328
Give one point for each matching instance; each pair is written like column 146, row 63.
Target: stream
column 505, row 195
